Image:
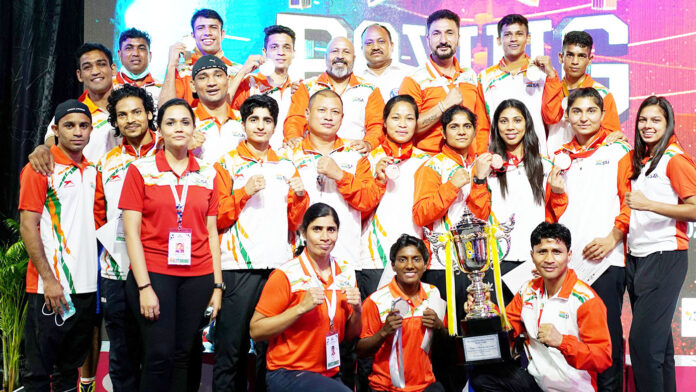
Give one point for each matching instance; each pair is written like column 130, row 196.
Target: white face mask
column 133, row 76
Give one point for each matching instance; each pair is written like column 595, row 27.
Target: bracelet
column 441, row 106
column 141, row 288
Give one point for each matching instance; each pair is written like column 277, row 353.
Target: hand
column 615, row 136
column 381, row 167
column 430, row 320
column 549, row 335
column 255, row 184
column 360, row 146
column 328, row 166
column 460, row 178
column 197, row 140
column 544, row 63
column 392, row 323
column 41, row 160
column 353, row 298
column 556, row 181
column 296, row 186
column 53, row 295
column 483, row 165
column 294, row 86
column 175, row 51
column 453, row 98
column 293, row 143
column 149, row 304
column 312, row 298
column 535, row 273
column 215, row 302
column 599, row 248
column 636, row 200
column 252, row 63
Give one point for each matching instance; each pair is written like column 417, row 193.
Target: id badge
column 333, row 355
column 120, row 234
column 179, row 247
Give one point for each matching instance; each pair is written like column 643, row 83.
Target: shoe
column 88, row 387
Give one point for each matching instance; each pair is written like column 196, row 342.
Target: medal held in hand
column 392, row 171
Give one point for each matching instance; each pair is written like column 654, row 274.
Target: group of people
column 293, row 211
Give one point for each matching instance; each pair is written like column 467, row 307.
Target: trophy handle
column 505, row 235
column 436, row 245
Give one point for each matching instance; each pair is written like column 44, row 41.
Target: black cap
column 71, row 106
column 206, row 62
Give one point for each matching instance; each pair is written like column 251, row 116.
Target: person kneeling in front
column 564, row 320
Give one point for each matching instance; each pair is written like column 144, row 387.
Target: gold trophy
column 473, row 241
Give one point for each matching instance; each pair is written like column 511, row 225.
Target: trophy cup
column 483, row 340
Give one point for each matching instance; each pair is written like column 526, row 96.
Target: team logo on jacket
column 68, row 184
column 654, row 175
column 347, row 166
column 358, row 99
column 602, row 163
column 563, row 315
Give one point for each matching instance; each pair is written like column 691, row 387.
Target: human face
column 208, row 34
column 443, row 38
column 321, row 235
column 652, row 125
column 280, row 50
column 401, row 123
column 339, row 58
column 73, row 132
column 211, row 86
column 132, row 119
column 408, row 265
column 575, row 60
column 177, row 127
column 459, row 133
column 135, row 55
column 324, row 116
column 513, row 38
column 377, row 47
column 95, row 72
column 585, row 117
column 259, row 126
column 511, row 127
column 551, row 258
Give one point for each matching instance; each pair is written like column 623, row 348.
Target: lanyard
column 330, row 305
column 180, row 203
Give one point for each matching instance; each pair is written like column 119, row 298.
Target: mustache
column 344, row 62
column 377, row 51
column 444, row 46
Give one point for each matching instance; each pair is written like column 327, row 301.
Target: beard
column 448, row 54
column 339, row 70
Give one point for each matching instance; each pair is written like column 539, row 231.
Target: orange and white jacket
column 592, row 204
column 437, row 203
column 220, row 138
column 498, row 85
column 578, row 314
column 672, row 181
column 362, row 109
column 111, row 171
column 560, row 131
column 255, row 229
column 428, row 86
column 351, row 196
column 393, row 216
column 258, row 84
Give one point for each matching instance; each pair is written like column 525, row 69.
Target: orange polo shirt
column 418, row 370
column 428, row 86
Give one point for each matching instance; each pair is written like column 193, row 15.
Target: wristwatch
column 480, row 181
column 220, row 286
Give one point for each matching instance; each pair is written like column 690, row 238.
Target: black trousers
column 508, row 376
column 53, row 354
column 610, row 287
column 243, row 291
column 168, row 341
column 124, row 339
column 654, row 282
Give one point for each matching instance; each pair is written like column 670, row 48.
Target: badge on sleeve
column 179, row 247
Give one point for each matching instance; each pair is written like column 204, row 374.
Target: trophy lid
column 468, row 223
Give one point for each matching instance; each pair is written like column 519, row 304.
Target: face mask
column 133, row 76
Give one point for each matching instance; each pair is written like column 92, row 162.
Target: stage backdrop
column 642, row 47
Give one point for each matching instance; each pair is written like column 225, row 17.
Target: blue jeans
column 283, row 380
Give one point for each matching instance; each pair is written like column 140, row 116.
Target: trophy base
column 484, row 341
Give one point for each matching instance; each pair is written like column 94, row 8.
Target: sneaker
column 88, row 387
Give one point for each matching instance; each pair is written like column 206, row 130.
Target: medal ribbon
column 396, row 361
column 330, row 305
